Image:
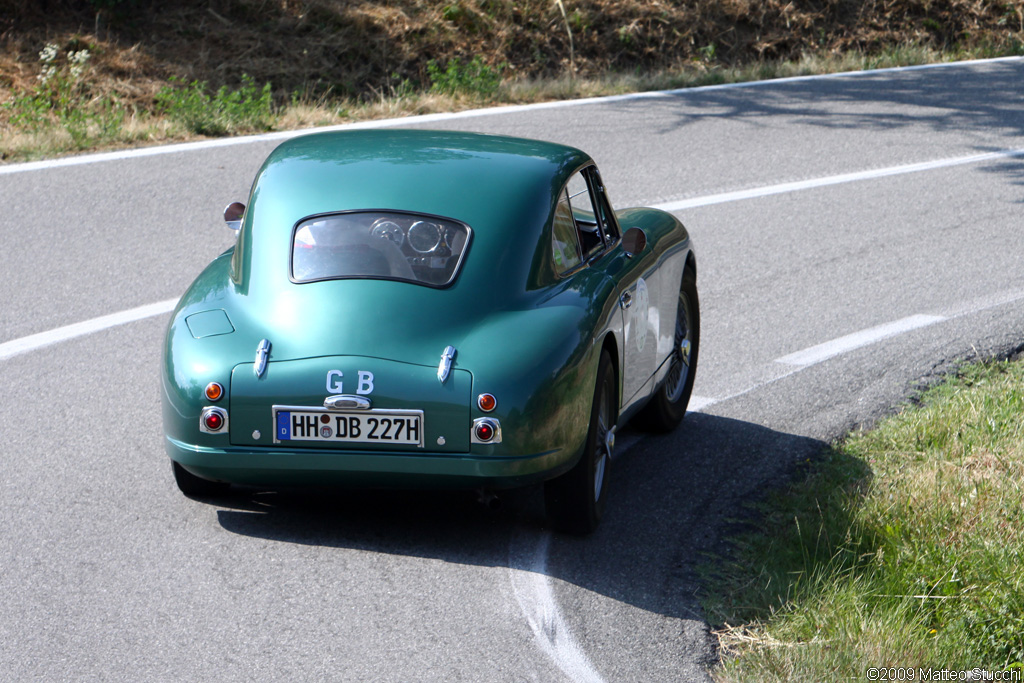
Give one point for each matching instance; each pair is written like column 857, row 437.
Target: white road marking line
column 708, row 402
column 532, row 589
column 809, row 357
column 698, row 403
column 471, row 113
column 840, row 345
column 984, row 303
column 781, row 188
column 38, row 341
column 25, row 344
column 801, row 360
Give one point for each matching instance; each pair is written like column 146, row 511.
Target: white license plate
column 396, row 427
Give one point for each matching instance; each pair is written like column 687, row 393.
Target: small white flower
column 48, row 73
column 48, row 53
column 78, row 61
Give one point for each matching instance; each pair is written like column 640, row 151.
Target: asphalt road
column 823, row 307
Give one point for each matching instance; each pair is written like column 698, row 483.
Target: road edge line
column 16, row 347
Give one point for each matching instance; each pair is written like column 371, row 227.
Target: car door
column 601, row 243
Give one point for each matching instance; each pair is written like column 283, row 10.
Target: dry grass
column 358, row 47
column 331, row 61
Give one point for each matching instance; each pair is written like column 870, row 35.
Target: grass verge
column 901, row 547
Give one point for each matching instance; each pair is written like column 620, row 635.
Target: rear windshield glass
column 426, row 250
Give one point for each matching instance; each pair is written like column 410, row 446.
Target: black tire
column 197, row 487
column 667, row 407
column 575, row 500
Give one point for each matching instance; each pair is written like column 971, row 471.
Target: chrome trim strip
column 262, row 354
column 445, row 366
column 346, row 402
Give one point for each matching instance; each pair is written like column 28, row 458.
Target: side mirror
column 233, row 213
column 634, row 242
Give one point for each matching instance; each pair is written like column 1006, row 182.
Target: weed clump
column 62, row 99
column 474, row 78
column 227, row 111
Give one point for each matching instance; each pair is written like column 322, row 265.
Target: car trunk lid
column 376, row 408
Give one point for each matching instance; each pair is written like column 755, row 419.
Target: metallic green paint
column 526, row 336
column 501, row 187
column 284, row 467
column 209, row 324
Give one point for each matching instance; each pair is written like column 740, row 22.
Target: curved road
column 857, row 235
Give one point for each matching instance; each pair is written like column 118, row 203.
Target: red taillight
column 484, row 431
column 214, row 421
column 214, row 391
column 486, row 402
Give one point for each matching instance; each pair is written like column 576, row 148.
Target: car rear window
column 427, row 250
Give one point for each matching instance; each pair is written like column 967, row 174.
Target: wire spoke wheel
column 679, row 372
column 575, row 500
column 605, row 439
column 667, row 406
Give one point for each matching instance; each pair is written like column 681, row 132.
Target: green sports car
column 412, row 308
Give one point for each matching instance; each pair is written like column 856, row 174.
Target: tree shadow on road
column 939, row 99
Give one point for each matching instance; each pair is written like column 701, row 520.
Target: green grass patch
column 227, row 111
column 473, row 78
column 900, row 547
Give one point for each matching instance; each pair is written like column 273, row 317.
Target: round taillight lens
column 214, row 421
column 484, row 431
column 214, row 391
column 486, row 402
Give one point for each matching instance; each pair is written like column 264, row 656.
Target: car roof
column 441, row 172
column 504, row 188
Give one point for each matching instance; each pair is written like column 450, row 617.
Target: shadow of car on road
column 675, row 502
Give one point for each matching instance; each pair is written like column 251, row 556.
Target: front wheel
column 668, row 405
column 575, row 500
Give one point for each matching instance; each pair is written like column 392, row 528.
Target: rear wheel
column 196, row 487
column 575, row 500
column 668, row 405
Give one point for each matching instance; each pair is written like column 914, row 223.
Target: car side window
column 584, row 215
column 604, row 209
column 565, row 248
